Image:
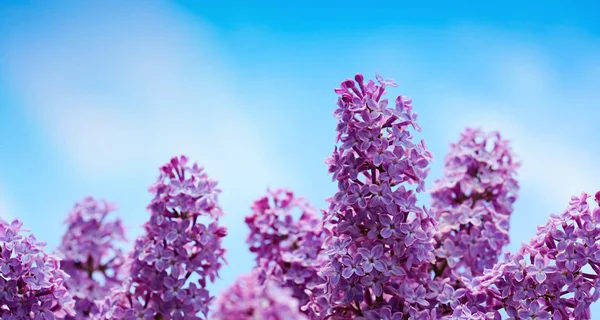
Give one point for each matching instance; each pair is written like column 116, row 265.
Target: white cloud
column 123, row 99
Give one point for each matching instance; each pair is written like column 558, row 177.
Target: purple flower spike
column 288, row 246
column 555, row 276
column 179, row 253
column 90, row 255
column 387, row 238
column 32, row 285
column 472, row 204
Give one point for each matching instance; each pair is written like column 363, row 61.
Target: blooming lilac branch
column 31, row 283
column 556, row 275
column 90, row 256
column 286, row 235
column 171, row 264
column 380, row 243
column 373, row 255
column 472, row 204
column 250, row 298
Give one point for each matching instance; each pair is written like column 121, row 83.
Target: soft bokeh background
column 95, row 96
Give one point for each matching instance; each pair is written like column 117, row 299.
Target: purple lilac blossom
column 32, row 285
column 181, row 250
column 380, row 243
column 251, row 298
column 555, row 276
column 472, row 204
column 287, row 247
column 90, row 256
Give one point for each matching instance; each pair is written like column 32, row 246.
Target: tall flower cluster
column 555, row 276
column 472, row 204
column 181, row 250
column 89, row 254
column 286, row 235
column 250, row 298
column 380, row 244
column 32, row 285
column 374, row 254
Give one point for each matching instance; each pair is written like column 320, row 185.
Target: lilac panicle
column 380, row 243
column 555, row 276
column 180, row 251
column 89, row 254
column 287, row 247
column 472, row 204
column 250, row 298
column 32, row 285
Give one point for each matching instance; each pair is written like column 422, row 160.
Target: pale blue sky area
column 95, row 96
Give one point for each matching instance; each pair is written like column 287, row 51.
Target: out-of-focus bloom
column 251, row 298
column 286, row 235
column 89, row 254
column 472, row 204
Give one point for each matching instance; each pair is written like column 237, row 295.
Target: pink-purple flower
column 472, row 204
column 378, row 241
column 373, row 254
column 90, row 254
column 249, row 298
column 179, row 253
column 287, row 235
column 550, row 277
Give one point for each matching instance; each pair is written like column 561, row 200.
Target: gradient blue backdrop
column 95, row 96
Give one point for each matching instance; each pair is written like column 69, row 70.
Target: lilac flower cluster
column 556, row 276
column 374, row 254
column 251, row 298
column 171, row 264
column 32, row 286
column 380, row 244
column 472, row 204
column 89, row 254
column 287, row 247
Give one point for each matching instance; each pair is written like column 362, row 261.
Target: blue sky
column 94, row 97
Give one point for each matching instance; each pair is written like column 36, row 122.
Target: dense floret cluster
column 32, row 285
column 379, row 242
column 373, row 254
column 89, row 254
column 171, row 264
column 472, row 204
column 286, row 235
column 555, row 276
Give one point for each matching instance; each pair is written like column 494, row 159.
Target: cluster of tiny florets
column 379, row 241
column 180, row 251
column 472, row 204
column 286, row 235
column 374, row 253
column 32, row 285
column 90, row 255
column 555, row 276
